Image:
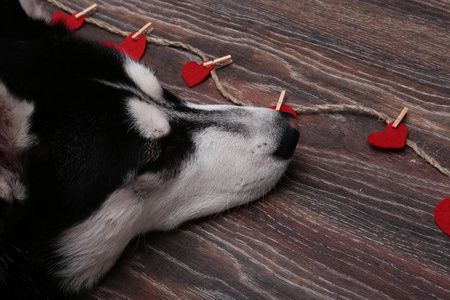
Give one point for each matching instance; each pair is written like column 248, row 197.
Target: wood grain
column 348, row 220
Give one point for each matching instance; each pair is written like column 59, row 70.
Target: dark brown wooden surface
column 348, row 220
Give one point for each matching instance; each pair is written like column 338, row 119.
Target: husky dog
column 93, row 152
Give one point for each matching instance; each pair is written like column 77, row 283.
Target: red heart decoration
column 111, row 45
column 133, row 48
column 194, row 73
column 71, row 22
column 442, row 215
column 391, row 138
column 285, row 108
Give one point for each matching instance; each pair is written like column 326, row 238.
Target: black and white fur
column 93, row 152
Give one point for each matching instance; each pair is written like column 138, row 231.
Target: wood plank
column 348, row 220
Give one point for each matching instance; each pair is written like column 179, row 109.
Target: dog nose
column 289, row 137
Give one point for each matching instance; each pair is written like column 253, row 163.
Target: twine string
column 321, row 108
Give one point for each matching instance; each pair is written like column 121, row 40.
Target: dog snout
column 288, row 137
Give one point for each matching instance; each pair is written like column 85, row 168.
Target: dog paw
column 12, row 190
column 6, row 193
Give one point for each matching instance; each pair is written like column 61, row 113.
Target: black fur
column 79, row 118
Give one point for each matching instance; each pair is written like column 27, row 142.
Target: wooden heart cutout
column 70, row 22
column 285, row 108
column 391, row 138
column 194, row 73
column 133, row 48
column 442, row 215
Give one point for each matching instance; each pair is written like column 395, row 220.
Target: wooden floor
column 348, row 221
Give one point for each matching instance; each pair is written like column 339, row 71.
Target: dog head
column 125, row 132
column 206, row 158
column 186, row 160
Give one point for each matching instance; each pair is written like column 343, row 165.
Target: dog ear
column 149, row 120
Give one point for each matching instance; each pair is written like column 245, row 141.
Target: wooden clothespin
column 219, row 62
column 74, row 21
column 281, row 100
column 281, row 107
column 87, row 12
column 194, row 73
column 400, row 117
column 394, row 135
column 134, row 44
column 144, row 30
